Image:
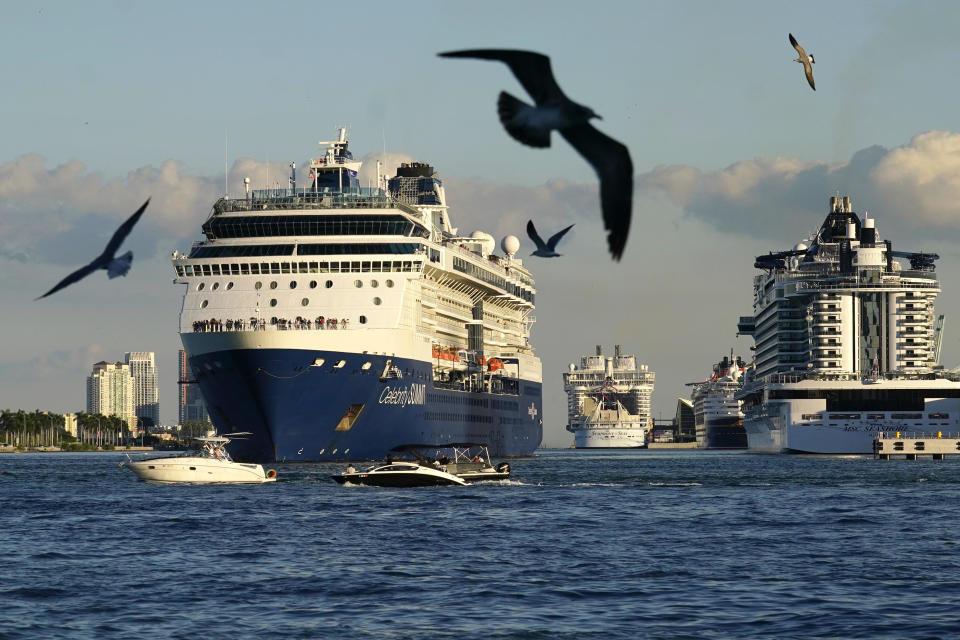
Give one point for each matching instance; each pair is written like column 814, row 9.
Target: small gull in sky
column 545, row 249
column 805, row 59
column 531, row 125
column 106, row 260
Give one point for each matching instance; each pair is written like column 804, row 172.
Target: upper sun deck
column 303, row 199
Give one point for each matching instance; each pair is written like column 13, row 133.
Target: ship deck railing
column 307, row 198
column 788, row 378
column 508, row 387
column 890, row 283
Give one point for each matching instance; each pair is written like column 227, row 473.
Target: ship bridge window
column 241, row 251
column 358, row 248
column 312, row 225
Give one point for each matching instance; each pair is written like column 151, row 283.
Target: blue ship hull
column 726, row 433
column 296, row 412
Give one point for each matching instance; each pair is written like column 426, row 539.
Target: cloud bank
column 915, row 186
column 64, row 214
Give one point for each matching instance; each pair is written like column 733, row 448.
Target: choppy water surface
column 661, row 544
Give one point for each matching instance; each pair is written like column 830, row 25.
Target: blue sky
column 106, row 103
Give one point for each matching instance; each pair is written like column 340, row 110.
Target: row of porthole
column 293, row 284
column 304, row 303
column 340, row 364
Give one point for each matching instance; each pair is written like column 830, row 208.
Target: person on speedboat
column 350, row 469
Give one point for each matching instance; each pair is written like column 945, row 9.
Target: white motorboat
column 399, row 474
column 208, row 463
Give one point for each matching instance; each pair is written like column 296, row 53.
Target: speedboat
column 469, row 461
column 399, row 474
column 208, row 462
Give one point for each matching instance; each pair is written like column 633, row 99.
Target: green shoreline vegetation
column 45, row 430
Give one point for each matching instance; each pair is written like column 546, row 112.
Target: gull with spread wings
column 532, row 125
column 115, row 266
column 806, row 60
column 546, row 249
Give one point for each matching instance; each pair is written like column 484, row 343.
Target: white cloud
column 913, row 186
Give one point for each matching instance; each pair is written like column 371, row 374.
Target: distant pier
column 937, row 445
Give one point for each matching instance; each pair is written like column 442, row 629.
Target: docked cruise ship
column 333, row 321
column 608, row 401
column 716, row 410
column 847, row 343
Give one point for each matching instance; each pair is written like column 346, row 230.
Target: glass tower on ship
column 334, row 322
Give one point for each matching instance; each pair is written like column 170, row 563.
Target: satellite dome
column 510, row 245
column 801, row 246
column 487, row 243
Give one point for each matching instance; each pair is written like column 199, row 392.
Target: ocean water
column 579, row 544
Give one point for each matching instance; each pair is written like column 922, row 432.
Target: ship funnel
column 616, row 350
column 833, row 203
column 599, row 350
column 847, row 207
column 851, row 230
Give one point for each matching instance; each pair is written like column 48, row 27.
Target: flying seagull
column 545, row 249
column 106, row 260
column 805, row 59
column 531, row 125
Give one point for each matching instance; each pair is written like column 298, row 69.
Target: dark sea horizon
column 578, row 544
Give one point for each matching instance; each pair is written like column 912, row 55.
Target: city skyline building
column 190, row 402
column 146, row 387
column 110, row 391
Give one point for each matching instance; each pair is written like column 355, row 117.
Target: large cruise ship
column 847, row 343
column 608, row 401
column 716, row 410
column 334, row 321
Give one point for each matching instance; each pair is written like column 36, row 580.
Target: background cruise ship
column 608, row 401
column 847, row 343
column 335, row 322
column 716, row 410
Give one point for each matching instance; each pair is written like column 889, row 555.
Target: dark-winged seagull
column 545, row 249
column 106, row 260
column 805, row 59
column 531, row 125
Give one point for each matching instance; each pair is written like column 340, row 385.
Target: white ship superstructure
column 847, row 343
column 608, row 401
column 335, row 321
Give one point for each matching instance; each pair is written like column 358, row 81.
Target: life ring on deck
column 272, row 473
